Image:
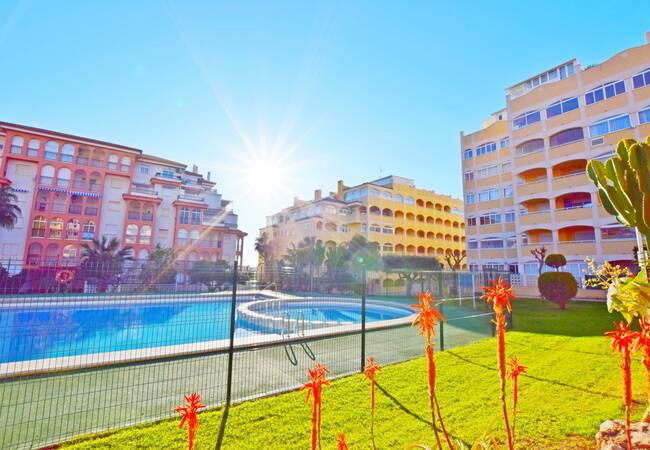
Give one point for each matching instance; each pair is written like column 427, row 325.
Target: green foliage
column 160, row 268
column 623, row 184
column 558, row 287
column 9, row 212
column 102, row 261
column 631, row 297
column 399, row 283
column 388, row 283
column 555, row 260
column 211, row 274
column 410, row 264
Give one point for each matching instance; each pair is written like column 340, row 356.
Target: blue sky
column 320, row 91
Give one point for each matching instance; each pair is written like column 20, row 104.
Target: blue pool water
column 27, row 334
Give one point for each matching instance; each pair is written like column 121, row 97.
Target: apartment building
column 390, row 212
column 524, row 170
column 72, row 189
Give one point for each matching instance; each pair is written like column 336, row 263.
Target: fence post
column 231, row 345
column 363, row 318
column 442, row 327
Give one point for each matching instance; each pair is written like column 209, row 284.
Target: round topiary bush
column 399, row 283
column 558, row 287
column 388, row 283
column 555, row 260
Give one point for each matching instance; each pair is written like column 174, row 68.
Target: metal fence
column 80, row 355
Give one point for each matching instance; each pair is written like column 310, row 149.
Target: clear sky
column 276, row 98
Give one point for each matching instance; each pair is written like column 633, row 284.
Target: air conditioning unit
column 597, row 141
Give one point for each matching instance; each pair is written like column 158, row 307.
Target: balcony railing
column 58, row 207
column 75, row 209
column 147, row 216
column 79, row 184
column 82, row 161
column 191, row 198
column 133, row 215
column 91, row 211
column 143, row 190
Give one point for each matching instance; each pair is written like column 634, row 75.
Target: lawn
column 572, row 385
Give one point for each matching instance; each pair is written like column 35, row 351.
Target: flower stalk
column 188, row 413
column 314, row 388
column 514, row 370
column 370, row 370
column 642, row 342
column 622, row 340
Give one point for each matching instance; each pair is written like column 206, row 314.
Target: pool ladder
column 300, row 331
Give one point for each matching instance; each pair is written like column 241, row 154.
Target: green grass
column 572, row 385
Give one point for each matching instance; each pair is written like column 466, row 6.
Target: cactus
column 623, row 184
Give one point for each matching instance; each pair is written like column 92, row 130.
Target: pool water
column 49, row 332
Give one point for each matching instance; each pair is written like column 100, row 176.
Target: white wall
column 113, row 211
column 23, row 177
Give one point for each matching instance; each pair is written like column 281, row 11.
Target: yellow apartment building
column 524, row 171
column 390, row 212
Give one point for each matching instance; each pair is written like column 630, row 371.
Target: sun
column 265, row 175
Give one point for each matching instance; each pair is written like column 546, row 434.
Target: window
column 610, row 125
column 344, row 228
column 374, row 193
column 507, row 192
column 526, row 119
column 144, row 170
column 376, row 228
column 506, row 167
column 56, row 228
column 168, row 173
column 88, row 231
column 472, row 245
column 467, row 154
column 34, row 253
column 2, row 145
column 409, row 201
column 131, row 233
column 181, row 237
column 33, row 147
column 486, row 148
column 566, row 137
column 63, row 178
column 471, row 221
column 47, row 175
column 17, row 145
column 387, row 230
column 145, row 234
column 490, row 219
column 534, row 145
column 185, row 215
column 488, row 171
column 67, row 153
column 488, row 194
column 125, row 164
column 112, row 162
column 605, row 91
column 642, row 79
column 38, row 226
column 468, row 176
column 617, row 232
column 492, row 243
column 196, row 217
column 470, row 198
column 562, row 106
column 644, row 116
column 505, row 142
column 388, row 247
column 509, row 216
column 387, row 195
column 72, row 229
column 69, row 252
column 51, row 150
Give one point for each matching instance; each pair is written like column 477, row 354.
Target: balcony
column 82, row 161
column 148, row 217
column 577, row 249
column 531, row 188
column 573, row 213
column 91, row 211
column 191, row 198
column 526, row 159
column 133, row 215
column 491, row 253
column 143, row 190
column 572, row 149
column 570, row 181
column 542, row 217
column 624, row 246
column 58, row 207
column 75, row 209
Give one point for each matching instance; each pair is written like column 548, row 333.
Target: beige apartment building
column 524, row 170
column 390, row 212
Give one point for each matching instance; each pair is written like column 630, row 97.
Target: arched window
column 34, row 253
column 2, row 145
column 567, row 136
column 194, row 236
column 98, row 158
column 147, row 212
column 112, row 162
column 83, row 156
column 51, row 254
column 42, row 200
column 409, row 201
column 532, row 146
column 88, row 231
column 131, row 233
column 387, row 195
column 388, row 247
column 398, row 198
column 94, row 182
column 63, row 178
column 181, row 237
column 72, row 229
column 17, row 145
column 374, row 192
column 56, row 228
column 33, row 147
column 126, row 164
column 67, row 153
column 47, row 175
column 51, row 150
column 145, row 234
column 79, row 179
column 185, row 215
column 196, row 216
column 69, row 252
column 38, row 226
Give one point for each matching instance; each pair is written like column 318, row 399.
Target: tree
column 264, row 249
column 558, row 287
column 103, row 261
column 160, row 268
column 410, row 268
column 555, row 260
column 211, row 274
column 335, row 258
column 363, row 254
column 454, row 259
column 539, row 254
column 9, row 211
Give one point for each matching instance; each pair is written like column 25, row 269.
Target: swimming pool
column 87, row 329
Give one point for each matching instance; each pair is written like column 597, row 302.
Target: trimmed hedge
column 388, row 283
column 558, row 287
column 555, row 260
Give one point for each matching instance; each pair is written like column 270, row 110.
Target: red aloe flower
column 514, row 370
column 642, row 341
column 314, row 387
column 500, row 294
column 340, row 442
column 427, row 319
column 192, row 405
column 370, row 371
column 622, row 340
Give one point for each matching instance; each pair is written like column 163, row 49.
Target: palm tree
column 335, row 258
column 318, row 256
column 9, row 211
column 103, row 261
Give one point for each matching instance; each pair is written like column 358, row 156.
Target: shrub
column 399, row 283
column 388, row 283
column 555, row 260
column 558, row 287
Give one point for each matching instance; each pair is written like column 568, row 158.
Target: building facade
column 72, row 189
column 524, row 171
column 390, row 212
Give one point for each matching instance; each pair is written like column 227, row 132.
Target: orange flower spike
column 340, row 442
column 499, row 294
column 369, row 371
column 622, row 340
column 514, row 370
column 642, row 342
column 427, row 316
column 314, row 387
column 188, row 412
